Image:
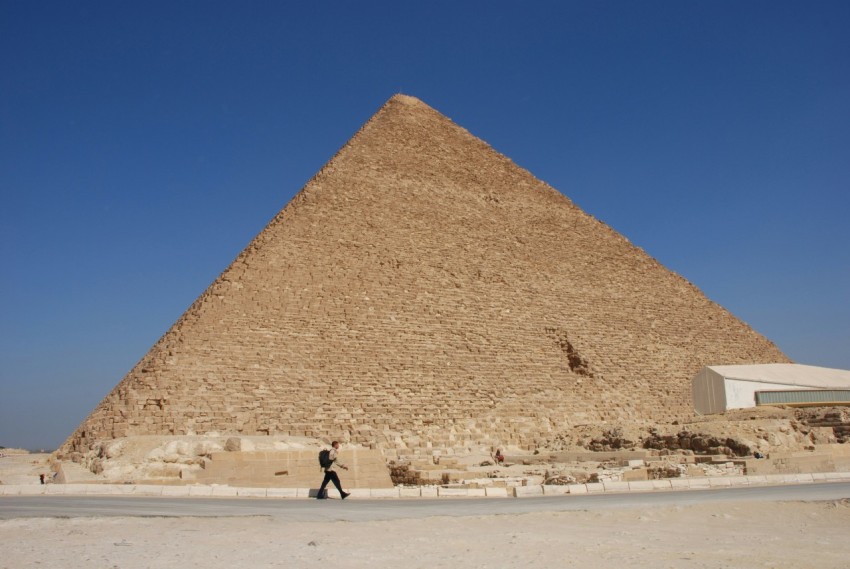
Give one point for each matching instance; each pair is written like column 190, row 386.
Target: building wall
column 709, row 392
column 740, row 394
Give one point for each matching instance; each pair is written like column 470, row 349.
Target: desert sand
column 22, row 467
column 781, row 535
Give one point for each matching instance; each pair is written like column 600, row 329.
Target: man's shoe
column 345, row 495
column 322, row 495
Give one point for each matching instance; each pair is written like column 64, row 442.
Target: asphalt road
column 366, row 510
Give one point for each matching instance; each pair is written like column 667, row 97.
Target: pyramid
column 423, row 291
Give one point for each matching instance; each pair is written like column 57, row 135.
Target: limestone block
column 175, row 491
column 218, row 457
column 452, row 492
column 236, row 444
column 118, row 489
column 528, row 491
column 616, row 486
column 281, row 492
column 641, row 485
column 223, row 491
column 802, row 478
column 757, row 480
column 147, row 490
column 831, row 476
column 694, row 472
column 577, row 488
column 680, row 483
column 384, row 493
column 496, row 492
column 773, row 478
column 555, row 490
column 699, row 483
column 719, row 481
column 594, row 487
column 429, row 492
column 199, row 490
column 635, row 475
column 841, row 462
column 410, row 492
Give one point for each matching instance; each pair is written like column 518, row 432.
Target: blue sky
column 143, row 145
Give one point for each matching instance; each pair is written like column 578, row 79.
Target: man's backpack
column 325, row 458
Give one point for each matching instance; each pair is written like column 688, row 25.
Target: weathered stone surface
column 292, row 469
column 636, row 474
column 423, row 291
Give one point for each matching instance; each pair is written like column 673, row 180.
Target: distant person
column 41, row 478
column 499, row 458
column 330, row 473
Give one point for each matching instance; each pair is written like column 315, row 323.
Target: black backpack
column 325, row 458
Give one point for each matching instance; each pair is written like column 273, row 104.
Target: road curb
column 218, row 491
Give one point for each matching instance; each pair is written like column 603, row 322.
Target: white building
column 719, row 388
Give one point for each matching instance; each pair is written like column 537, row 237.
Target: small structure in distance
column 717, row 389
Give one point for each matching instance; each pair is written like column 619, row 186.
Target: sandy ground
column 751, row 535
column 23, row 468
column 783, row 535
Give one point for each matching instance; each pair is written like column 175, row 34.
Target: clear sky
column 144, row 144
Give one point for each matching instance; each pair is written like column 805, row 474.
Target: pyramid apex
column 406, row 99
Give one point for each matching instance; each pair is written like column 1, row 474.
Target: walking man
column 330, row 473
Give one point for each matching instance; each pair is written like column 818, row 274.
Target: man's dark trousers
column 330, row 476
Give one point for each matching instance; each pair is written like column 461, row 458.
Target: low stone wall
column 827, row 458
column 291, row 469
column 578, row 456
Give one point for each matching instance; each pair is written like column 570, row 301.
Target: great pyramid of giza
column 422, row 290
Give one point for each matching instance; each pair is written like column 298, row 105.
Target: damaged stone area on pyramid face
column 423, row 296
column 577, row 364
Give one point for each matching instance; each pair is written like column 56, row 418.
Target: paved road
column 366, row 510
